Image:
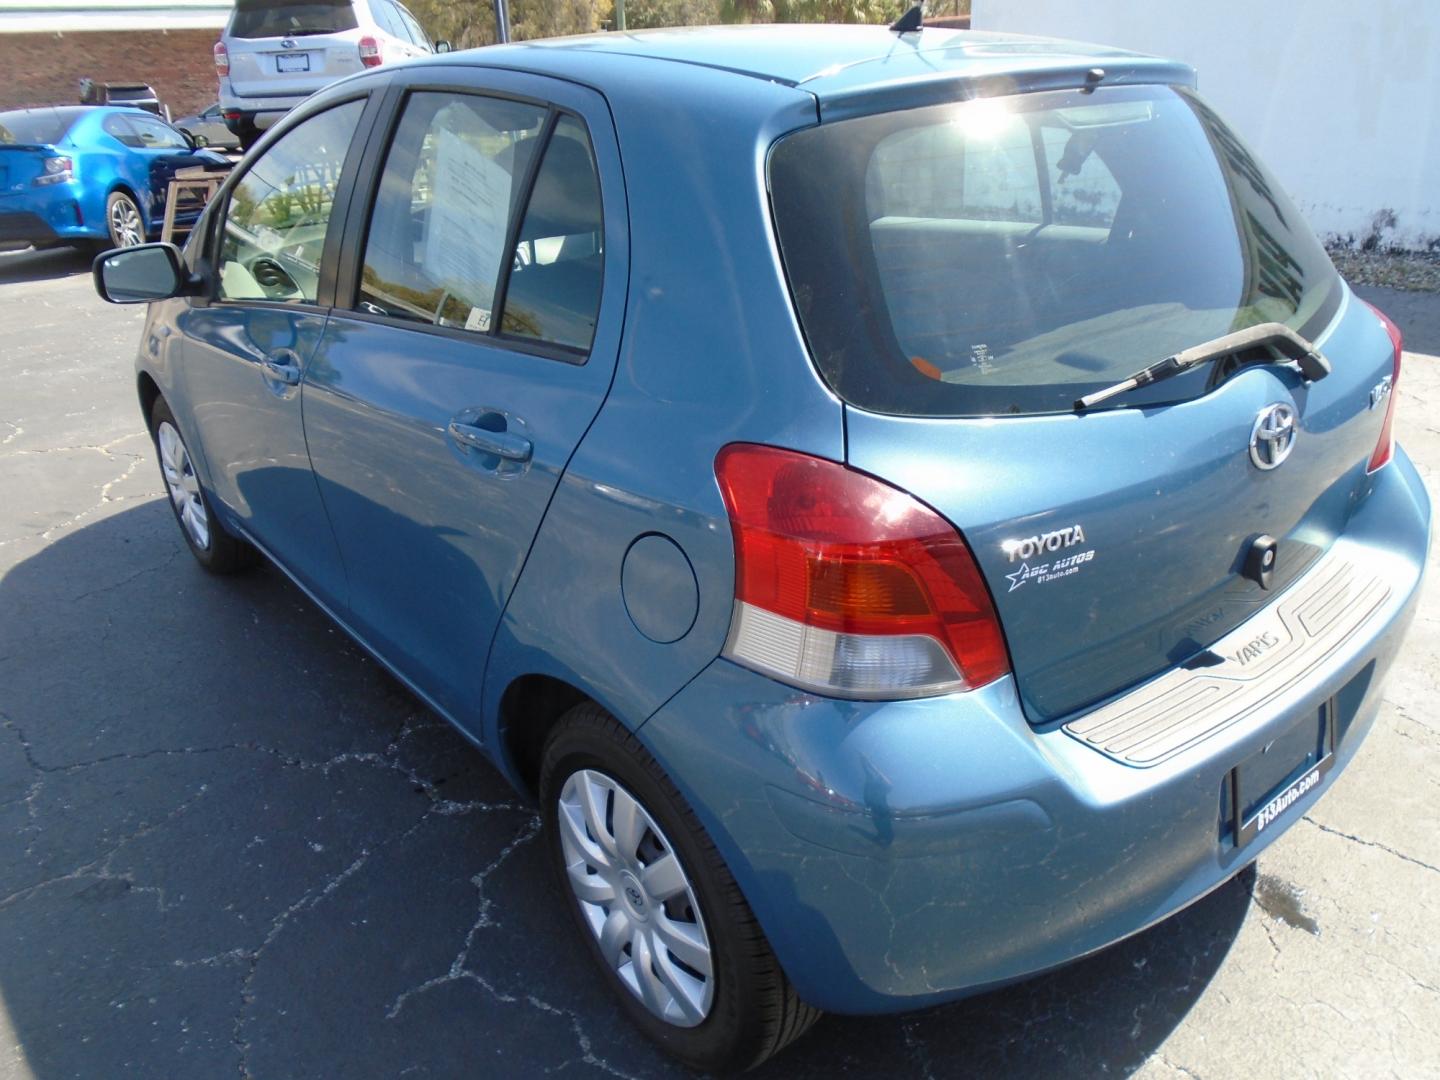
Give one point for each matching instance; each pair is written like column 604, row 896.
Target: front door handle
column 503, row 444
column 282, row 367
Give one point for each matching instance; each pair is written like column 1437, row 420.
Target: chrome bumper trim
column 1250, row 666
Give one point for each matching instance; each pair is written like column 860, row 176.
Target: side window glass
column 417, row 35
column 274, row 226
column 437, row 233
column 981, row 170
column 119, row 126
column 388, row 18
column 157, row 136
column 1082, row 189
column 1001, row 183
column 918, row 173
column 554, row 290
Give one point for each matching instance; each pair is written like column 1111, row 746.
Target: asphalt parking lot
column 231, row 845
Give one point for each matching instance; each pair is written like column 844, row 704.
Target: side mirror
column 137, row 275
column 198, row 142
column 443, row 46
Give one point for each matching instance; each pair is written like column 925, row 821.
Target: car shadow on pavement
column 233, row 843
column 45, row 265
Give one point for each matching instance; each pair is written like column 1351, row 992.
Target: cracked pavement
column 234, row 847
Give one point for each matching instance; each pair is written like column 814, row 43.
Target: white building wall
column 1340, row 97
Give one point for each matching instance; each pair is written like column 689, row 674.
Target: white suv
column 273, row 56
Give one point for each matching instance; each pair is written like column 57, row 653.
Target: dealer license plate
column 1269, row 784
column 288, row 62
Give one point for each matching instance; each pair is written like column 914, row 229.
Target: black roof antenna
column 910, row 21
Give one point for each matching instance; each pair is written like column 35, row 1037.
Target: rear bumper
column 259, row 112
column 901, row 854
column 47, row 216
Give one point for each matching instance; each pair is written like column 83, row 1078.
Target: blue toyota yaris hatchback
column 914, row 508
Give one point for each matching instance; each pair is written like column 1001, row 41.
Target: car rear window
column 1008, row 255
column 36, row 125
column 255, row 20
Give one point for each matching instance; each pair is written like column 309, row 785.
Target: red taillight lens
column 849, row 586
column 222, row 59
column 370, row 52
column 1385, row 448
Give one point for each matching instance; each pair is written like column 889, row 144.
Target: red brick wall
column 46, row 69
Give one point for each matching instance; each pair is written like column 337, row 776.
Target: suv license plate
column 292, row 62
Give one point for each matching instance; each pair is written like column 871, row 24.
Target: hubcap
column 125, row 224
column 636, row 898
column 183, row 486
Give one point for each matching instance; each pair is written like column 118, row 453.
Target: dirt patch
column 1411, row 270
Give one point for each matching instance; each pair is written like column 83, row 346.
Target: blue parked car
column 75, row 174
column 913, row 507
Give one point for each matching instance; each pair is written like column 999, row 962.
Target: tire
column 124, row 221
column 213, row 547
column 749, row 1011
column 248, row 136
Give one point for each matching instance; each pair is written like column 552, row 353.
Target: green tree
column 468, row 23
column 647, row 14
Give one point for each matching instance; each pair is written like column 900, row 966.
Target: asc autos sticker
column 1042, row 573
column 1023, row 549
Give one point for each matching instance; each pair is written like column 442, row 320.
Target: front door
column 246, row 349
column 442, row 408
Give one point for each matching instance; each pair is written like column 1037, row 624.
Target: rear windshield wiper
column 1313, row 366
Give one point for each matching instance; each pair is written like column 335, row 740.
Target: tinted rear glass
column 36, row 125
column 278, row 20
column 1008, row 255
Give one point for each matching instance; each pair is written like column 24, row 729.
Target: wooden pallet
column 195, row 180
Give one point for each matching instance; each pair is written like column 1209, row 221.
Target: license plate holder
column 1270, row 782
column 292, row 62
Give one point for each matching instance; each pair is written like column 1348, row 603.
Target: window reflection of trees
column 1271, row 269
column 395, row 279
column 280, row 208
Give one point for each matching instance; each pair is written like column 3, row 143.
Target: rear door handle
column 503, row 444
column 282, row 367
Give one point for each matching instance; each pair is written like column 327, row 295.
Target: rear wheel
column 656, row 905
column 122, row 218
column 214, row 548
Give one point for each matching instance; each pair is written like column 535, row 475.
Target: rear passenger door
column 472, row 349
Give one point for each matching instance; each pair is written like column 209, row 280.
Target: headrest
column 566, row 199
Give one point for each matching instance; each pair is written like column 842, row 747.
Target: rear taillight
column 370, row 52
column 1385, row 448
column 848, row 586
column 222, row 59
column 57, row 171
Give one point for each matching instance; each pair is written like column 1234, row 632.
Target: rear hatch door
column 285, row 50
column 1017, row 253
column 21, row 166
column 27, row 138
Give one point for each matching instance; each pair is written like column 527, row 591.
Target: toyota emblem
column 1273, row 436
